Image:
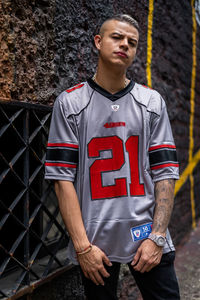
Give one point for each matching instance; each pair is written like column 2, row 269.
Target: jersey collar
column 112, row 97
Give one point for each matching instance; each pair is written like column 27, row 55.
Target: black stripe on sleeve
column 64, row 155
column 162, row 156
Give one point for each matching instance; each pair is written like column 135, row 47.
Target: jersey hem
column 126, row 260
column 64, row 177
column 176, row 177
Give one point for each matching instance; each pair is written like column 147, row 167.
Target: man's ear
column 97, row 41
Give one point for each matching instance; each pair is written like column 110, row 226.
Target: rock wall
column 28, row 50
column 6, row 52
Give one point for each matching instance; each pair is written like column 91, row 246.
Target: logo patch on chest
column 141, row 232
column 114, row 124
column 115, row 107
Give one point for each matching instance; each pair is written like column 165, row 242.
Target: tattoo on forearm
column 164, row 197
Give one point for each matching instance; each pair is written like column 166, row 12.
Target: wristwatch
column 158, row 239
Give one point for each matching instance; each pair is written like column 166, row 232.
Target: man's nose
column 124, row 43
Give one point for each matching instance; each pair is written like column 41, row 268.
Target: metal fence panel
column 32, row 233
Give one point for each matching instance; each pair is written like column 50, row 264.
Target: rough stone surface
column 31, row 24
column 44, row 13
column 6, row 51
column 25, row 48
column 188, row 265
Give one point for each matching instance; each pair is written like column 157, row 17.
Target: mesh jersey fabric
column 114, row 148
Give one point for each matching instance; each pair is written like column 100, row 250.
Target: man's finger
column 85, row 274
column 153, row 264
column 140, row 265
column 106, row 260
column 144, row 268
column 92, row 277
column 96, row 278
column 104, row 272
column 135, row 259
column 149, row 268
column 99, row 278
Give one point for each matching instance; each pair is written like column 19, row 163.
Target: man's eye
column 116, row 37
column 132, row 44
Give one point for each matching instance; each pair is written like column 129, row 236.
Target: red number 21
column 99, row 166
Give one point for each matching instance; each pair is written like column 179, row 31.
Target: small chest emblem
column 115, row 107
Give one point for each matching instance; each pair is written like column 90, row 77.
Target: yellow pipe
column 192, row 109
column 149, row 42
column 187, row 172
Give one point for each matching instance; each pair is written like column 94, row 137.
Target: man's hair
column 122, row 18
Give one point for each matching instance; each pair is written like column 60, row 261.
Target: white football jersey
column 113, row 147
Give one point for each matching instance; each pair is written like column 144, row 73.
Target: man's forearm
column 71, row 213
column 164, row 197
column 149, row 253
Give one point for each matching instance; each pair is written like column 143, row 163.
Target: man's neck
column 111, row 80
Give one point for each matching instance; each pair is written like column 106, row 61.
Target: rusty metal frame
column 31, row 221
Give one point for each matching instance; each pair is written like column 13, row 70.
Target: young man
column 113, row 159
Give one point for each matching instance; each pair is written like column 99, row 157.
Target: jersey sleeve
column 62, row 147
column 162, row 150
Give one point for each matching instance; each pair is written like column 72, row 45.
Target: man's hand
column 92, row 265
column 147, row 256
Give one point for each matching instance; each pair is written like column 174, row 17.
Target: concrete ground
column 187, row 266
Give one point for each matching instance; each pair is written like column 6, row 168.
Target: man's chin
column 120, row 64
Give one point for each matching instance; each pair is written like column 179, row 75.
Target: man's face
column 117, row 43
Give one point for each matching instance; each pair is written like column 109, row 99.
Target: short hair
column 122, row 18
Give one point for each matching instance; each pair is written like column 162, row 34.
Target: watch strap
column 159, row 240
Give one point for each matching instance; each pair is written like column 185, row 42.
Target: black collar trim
column 112, row 97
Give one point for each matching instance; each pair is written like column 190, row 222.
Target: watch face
column 161, row 241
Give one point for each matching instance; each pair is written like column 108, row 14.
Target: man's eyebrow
column 115, row 32
column 133, row 39
column 121, row 34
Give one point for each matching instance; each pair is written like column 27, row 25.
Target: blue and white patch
column 141, row 232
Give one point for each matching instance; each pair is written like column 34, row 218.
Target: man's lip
column 122, row 54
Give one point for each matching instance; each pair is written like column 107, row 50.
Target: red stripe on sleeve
column 60, row 165
column 75, row 87
column 62, row 145
column 162, row 146
column 164, row 166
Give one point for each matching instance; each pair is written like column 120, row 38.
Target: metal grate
column 32, row 234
